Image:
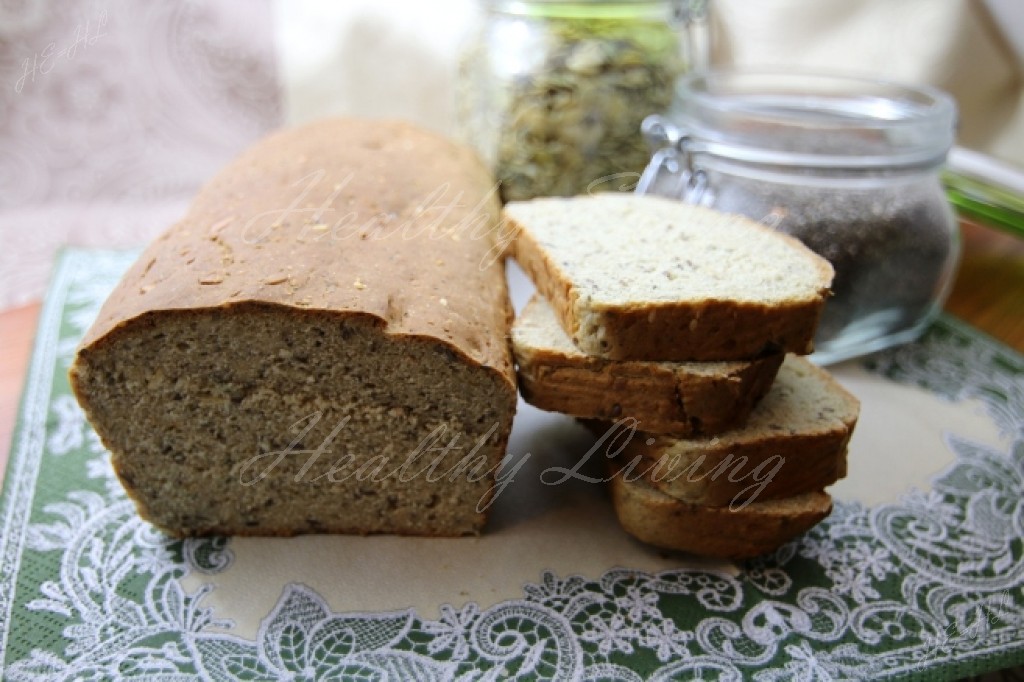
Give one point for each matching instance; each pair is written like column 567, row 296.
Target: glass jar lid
column 817, row 120
column 606, row 9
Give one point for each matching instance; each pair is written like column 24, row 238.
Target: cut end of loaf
column 272, row 422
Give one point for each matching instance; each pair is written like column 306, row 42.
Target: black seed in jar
column 888, row 242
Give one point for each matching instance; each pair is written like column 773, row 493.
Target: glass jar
column 849, row 166
column 552, row 93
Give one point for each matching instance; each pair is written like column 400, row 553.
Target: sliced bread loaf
column 655, row 518
column 664, row 397
column 293, row 355
column 794, row 442
column 637, row 277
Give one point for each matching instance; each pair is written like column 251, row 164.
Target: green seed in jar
column 576, row 119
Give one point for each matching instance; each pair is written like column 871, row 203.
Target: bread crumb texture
column 621, row 249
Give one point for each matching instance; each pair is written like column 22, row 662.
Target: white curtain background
column 397, row 57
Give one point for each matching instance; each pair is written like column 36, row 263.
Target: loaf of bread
column 758, row 528
column 320, row 345
column 794, row 442
column 639, row 277
column 679, row 398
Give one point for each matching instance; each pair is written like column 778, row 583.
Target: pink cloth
column 113, row 113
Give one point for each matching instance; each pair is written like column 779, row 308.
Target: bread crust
column 682, row 399
column 347, row 216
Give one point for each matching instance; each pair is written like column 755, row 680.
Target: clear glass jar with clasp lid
column 552, row 92
column 849, row 166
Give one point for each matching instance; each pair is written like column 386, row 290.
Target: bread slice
column 760, row 527
column 639, row 277
column 664, row 397
column 794, row 442
column 308, row 350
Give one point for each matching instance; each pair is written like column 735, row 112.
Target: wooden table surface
column 988, row 293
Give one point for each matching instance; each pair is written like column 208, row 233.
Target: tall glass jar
column 849, row 166
column 552, row 93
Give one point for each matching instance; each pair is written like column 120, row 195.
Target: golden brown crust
column 332, row 216
column 716, row 330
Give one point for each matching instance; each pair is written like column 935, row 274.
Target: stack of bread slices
column 675, row 332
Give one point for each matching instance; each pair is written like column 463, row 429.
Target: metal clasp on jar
column 672, row 170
